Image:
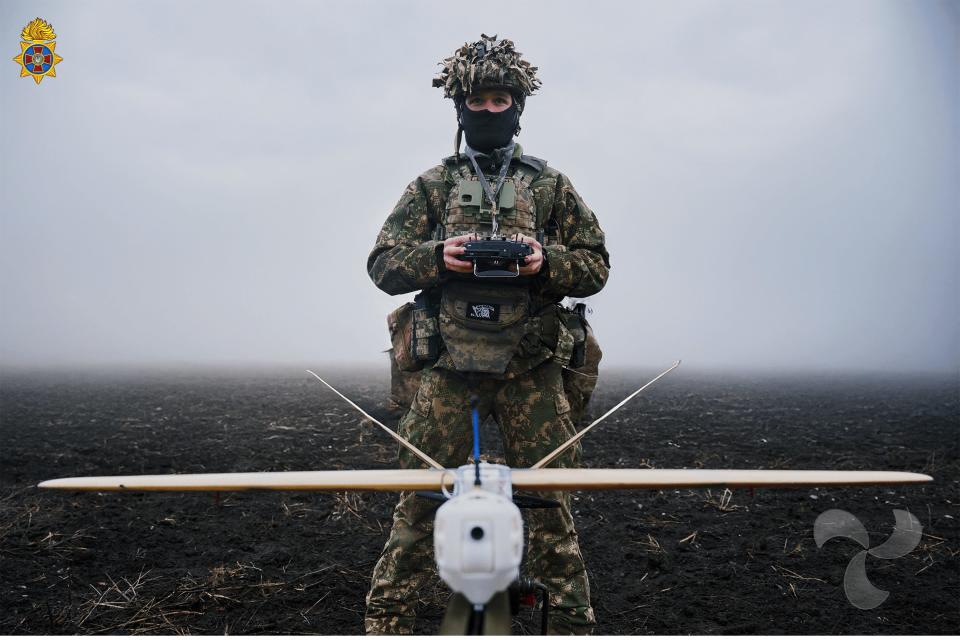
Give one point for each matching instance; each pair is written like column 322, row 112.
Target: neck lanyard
column 492, row 191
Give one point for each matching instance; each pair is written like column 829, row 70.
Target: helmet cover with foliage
column 484, row 64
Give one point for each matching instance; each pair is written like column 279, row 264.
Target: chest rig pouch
column 482, row 324
column 468, row 211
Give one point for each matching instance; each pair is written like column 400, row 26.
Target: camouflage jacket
column 405, row 258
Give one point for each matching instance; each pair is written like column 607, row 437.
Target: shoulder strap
column 452, row 169
column 534, row 162
column 542, row 193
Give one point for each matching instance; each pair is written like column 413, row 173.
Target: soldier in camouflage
column 505, row 340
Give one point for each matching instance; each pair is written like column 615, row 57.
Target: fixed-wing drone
column 478, row 529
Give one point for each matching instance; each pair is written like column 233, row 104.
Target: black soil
column 666, row 562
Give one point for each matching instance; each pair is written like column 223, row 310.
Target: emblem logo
column 483, row 311
column 38, row 58
column 837, row 523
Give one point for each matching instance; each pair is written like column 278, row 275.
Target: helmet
column 487, row 64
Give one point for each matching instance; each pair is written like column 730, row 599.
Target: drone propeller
column 523, row 502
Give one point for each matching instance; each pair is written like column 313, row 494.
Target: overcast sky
column 202, row 182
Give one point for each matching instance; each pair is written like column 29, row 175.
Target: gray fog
column 202, row 182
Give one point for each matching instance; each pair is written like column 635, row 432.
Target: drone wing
column 554, row 479
column 526, row 479
column 352, row 480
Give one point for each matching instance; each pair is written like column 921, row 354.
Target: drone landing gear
column 462, row 619
column 524, row 591
column 495, row 617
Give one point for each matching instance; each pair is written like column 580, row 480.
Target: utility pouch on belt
column 482, row 324
column 571, row 337
column 400, row 324
column 414, row 333
column 426, row 330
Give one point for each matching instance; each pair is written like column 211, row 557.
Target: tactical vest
column 525, row 201
column 482, row 322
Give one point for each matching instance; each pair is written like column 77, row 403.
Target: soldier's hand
column 535, row 260
column 453, row 247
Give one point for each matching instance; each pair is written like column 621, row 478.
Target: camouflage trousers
column 533, row 414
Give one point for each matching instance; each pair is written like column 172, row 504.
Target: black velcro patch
column 483, row 311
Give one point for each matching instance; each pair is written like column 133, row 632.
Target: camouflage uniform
column 527, row 400
column 526, row 394
column 403, row 388
column 578, row 383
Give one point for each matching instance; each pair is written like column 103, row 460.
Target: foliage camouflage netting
column 487, row 62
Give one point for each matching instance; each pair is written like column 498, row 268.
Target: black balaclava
column 486, row 130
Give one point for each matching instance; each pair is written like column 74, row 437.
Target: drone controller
column 496, row 257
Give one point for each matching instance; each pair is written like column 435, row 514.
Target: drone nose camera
column 478, row 534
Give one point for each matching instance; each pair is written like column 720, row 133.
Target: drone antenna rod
column 475, row 415
column 566, row 445
column 415, row 451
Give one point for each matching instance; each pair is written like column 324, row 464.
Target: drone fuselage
column 478, row 533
